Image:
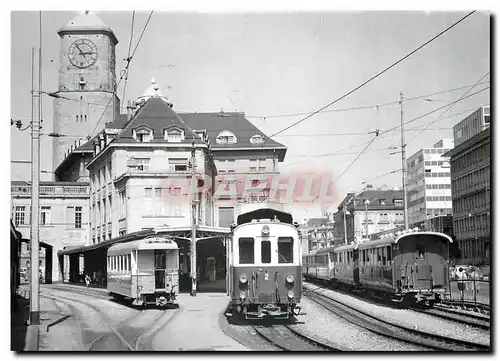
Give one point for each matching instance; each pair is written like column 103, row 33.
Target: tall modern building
column 473, row 124
column 471, row 189
column 429, row 183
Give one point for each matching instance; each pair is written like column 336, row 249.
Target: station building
column 112, row 187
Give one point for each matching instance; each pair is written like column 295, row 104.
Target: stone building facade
column 371, row 211
column 471, row 192
column 64, row 216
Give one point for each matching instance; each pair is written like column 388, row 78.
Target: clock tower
column 87, row 82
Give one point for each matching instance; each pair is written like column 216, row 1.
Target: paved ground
column 195, row 326
column 85, row 323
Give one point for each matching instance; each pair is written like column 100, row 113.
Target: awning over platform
column 126, row 238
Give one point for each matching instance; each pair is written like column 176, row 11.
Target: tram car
column 410, row 267
column 145, row 271
column 265, row 265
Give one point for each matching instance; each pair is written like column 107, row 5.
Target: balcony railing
column 53, row 191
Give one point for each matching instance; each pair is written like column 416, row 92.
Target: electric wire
column 128, row 54
column 376, row 75
column 363, row 107
column 126, row 69
column 449, row 108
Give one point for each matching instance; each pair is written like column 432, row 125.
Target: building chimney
column 130, row 109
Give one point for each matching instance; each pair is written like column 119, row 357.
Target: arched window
column 174, row 134
column 257, row 139
column 226, row 137
column 143, row 134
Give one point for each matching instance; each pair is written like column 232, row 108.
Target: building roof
column 157, row 115
column 375, row 196
column 316, row 222
column 87, row 21
column 242, row 128
column 468, row 143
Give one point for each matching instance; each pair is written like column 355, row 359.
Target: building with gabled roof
column 370, row 211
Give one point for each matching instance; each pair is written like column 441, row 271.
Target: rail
column 392, row 330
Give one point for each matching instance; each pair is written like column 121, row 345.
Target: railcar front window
column 285, row 250
column 246, row 250
column 265, row 252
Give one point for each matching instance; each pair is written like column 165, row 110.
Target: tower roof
column 153, row 91
column 85, row 22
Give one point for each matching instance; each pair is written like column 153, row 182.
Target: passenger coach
column 407, row 267
column 265, row 265
column 145, row 271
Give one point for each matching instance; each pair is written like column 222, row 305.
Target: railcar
column 265, row 265
column 407, row 267
column 410, row 267
column 317, row 265
column 145, row 271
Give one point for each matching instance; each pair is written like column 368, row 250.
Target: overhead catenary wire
column 128, row 55
column 450, row 107
column 376, row 75
column 365, row 107
column 129, row 59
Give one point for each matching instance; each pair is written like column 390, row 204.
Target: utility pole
column 345, row 227
column 193, row 221
column 403, row 164
column 35, row 183
column 366, row 216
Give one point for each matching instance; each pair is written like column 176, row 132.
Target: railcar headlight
column 291, row 294
column 289, row 279
column 242, row 295
column 243, row 279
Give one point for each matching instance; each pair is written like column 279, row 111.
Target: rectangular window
column 389, row 255
column 253, row 169
column 147, row 193
column 19, row 217
column 262, row 169
column 45, row 215
column 129, row 262
column 78, row 217
column 160, row 259
column 246, row 250
column 158, row 193
column 285, row 250
column 420, row 250
column 265, row 252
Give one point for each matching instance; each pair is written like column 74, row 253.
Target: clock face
column 82, row 53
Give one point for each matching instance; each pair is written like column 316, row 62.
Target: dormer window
column 257, row 139
column 382, row 202
column 398, row 202
column 226, row 137
column 174, row 135
column 143, row 134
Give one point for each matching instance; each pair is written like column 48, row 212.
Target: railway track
column 478, row 321
column 287, row 339
column 392, row 330
column 122, row 337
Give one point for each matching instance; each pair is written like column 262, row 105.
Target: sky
column 268, row 64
